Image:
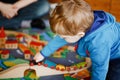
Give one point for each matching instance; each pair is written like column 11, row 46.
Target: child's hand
column 38, row 57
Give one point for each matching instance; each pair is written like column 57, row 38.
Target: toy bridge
column 18, row 71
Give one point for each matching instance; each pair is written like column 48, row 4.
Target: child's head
column 71, row 17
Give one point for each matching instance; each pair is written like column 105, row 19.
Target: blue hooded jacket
column 102, row 42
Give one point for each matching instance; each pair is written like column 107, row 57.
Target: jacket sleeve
column 100, row 56
column 53, row 45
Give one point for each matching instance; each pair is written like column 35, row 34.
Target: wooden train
column 52, row 65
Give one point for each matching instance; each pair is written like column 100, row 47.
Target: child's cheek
column 72, row 40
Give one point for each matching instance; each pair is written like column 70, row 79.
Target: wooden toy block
column 27, row 54
column 60, row 67
column 20, row 37
column 2, row 65
column 36, row 45
column 31, row 74
column 2, row 37
column 25, row 50
column 11, row 44
column 5, row 54
column 11, row 63
column 81, row 74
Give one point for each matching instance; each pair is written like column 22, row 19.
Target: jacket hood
column 102, row 20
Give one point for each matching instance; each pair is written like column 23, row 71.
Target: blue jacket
column 102, row 42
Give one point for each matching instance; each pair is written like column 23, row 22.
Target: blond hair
column 70, row 17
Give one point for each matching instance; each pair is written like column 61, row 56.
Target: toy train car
column 52, row 65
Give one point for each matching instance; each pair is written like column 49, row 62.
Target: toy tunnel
column 30, row 73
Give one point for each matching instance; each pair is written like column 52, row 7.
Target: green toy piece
column 11, row 63
column 50, row 34
column 33, row 50
column 70, row 78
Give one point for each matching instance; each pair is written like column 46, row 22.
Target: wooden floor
column 112, row 6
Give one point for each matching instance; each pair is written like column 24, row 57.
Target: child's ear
column 81, row 34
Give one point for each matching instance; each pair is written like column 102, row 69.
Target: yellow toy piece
column 9, row 63
column 60, row 67
column 30, row 73
column 81, row 74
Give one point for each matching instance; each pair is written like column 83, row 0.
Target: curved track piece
column 18, row 71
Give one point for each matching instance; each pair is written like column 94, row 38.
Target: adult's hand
column 8, row 10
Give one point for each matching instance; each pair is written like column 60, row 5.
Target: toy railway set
column 17, row 50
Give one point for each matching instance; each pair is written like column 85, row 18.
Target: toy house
column 36, row 45
column 11, row 44
column 34, row 36
column 24, row 48
column 19, row 37
column 2, row 38
column 5, row 54
column 27, row 54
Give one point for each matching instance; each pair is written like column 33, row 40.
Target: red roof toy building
column 11, row 42
column 5, row 52
column 2, row 33
column 36, row 43
column 27, row 52
column 19, row 35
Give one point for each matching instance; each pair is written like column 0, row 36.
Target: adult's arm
column 23, row 3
